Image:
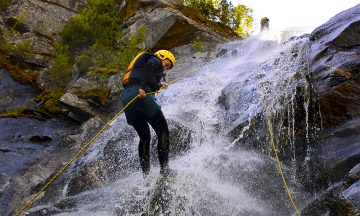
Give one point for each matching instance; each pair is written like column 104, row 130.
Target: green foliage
column 198, row 44
column 109, row 60
column 89, row 39
column 100, row 95
column 15, row 49
column 50, row 99
column 61, row 71
column 19, row 49
column 90, row 43
column 207, row 8
column 22, row 111
column 4, row 4
column 92, row 38
column 99, row 23
column 130, row 48
column 239, row 18
column 52, row 106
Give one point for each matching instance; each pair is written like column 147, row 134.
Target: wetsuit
column 146, row 74
column 264, row 24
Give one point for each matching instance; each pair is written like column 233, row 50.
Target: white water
column 215, row 177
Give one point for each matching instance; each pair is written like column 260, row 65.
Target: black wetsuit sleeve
column 152, row 75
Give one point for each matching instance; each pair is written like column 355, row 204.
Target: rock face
column 13, row 94
column 87, row 97
column 318, row 120
column 326, row 96
column 30, row 150
column 119, row 157
column 335, row 66
column 39, row 22
column 168, row 27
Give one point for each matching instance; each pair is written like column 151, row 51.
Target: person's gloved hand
column 164, row 85
column 142, row 93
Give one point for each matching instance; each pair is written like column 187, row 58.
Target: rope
column 78, row 153
column 273, row 143
column 74, row 157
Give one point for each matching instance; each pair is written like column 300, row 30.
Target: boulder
column 80, row 109
column 89, row 177
column 167, row 27
column 115, row 85
column 87, row 130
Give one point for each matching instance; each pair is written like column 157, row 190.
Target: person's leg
column 143, row 130
column 159, row 124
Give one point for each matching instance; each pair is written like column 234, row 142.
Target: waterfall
column 215, row 115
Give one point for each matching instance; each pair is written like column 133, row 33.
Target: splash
column 215, row 175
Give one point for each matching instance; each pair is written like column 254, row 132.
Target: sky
column 285, row 14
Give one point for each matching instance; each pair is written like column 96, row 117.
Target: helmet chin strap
column 164, row 77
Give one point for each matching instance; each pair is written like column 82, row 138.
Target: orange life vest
column 130, row 67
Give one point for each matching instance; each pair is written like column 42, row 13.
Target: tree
column 239, row 18
column 225, row 10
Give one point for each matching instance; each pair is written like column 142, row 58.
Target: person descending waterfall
column 264, row 23
column 144, row 75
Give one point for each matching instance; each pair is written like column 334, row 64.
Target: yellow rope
column 73, row 158
column 270, row 130
column 27, row 204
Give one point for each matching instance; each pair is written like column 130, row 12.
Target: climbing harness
column 273, row 143
column 78, row 153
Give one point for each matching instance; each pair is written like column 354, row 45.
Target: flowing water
column 214, row 176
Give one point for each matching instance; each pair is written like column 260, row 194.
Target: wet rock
column 330, row 202
column 27, row 162
column 42, row 211
column 87, row 129
column 342, row 198
column 352, row 194
column 340, row 151
column 89, row 177
column 355, row 172
column 38, row 138
column 335, row 65
column 4, row 182
column 189, row 59
column 91, row 127
column 180, row 141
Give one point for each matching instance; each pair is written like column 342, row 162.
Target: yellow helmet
column 164, row 54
